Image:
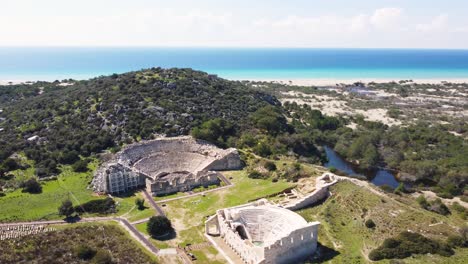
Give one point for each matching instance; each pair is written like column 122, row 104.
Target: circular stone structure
column 165, row 165
column 265, row 224
column 261, row 232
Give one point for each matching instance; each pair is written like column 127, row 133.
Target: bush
column 84, row 252
column 32, row 186
column 256, row 175
column 386, row 188
column 102, row 257
column 140, row 203
column 158, row 226
column 10, row 164
column 456, row 241
column 262, row 149
column 439, row 207
column 400, row 189
column 80, row 166
column 422, row 201
column 369, row 223
column 270, row 166
column 406, row 244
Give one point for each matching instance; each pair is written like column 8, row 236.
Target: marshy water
column 378, row 177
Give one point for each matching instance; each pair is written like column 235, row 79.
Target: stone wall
column 244, row 248
column 181, row 184
column 288, row 238
column 296, row 247
column 321, row 192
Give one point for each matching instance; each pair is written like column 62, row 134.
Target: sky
column 236, row 23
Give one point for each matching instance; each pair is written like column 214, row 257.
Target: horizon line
column 223, row 47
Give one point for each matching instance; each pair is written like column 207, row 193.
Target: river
column 377, row 177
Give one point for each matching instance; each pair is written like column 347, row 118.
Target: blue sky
column 241, row 23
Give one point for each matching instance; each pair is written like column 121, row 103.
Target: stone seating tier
column 172, row 162
column 267, row 224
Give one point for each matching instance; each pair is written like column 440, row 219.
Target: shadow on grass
column 324, row 254
column 128, row 194
column 72, row 219
column 166, row 237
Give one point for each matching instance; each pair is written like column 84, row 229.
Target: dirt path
column 150, row 200
column 448, row 202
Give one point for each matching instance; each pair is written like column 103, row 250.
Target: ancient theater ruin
column 165, row 165
column 261, row 232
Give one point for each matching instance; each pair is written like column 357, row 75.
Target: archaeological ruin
column 165, row 165
column 261, row 232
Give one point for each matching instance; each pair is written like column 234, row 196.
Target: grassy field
column 347, row 240
column 188, row 215
column 42, row 248
column 19, row 206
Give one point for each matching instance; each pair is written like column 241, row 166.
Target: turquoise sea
column 236, row 63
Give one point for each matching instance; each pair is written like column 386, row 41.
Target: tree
column 10, row 164
column 140, row 203
column 215, row 131
column 80, row 166
column 159, row 225
column 32, row 186
column 66, row 208
column 270, row 119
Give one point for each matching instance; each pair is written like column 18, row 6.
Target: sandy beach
column 312, row 81
column 333, row 82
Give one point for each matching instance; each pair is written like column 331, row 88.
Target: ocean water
column 236, row 63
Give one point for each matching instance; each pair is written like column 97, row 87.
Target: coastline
column 334, row 82
column 307, row 81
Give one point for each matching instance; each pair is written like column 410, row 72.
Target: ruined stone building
column 165, row 165
column 261, row 232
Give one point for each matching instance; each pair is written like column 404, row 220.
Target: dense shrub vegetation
column 67, row 124
column 103, row 113
column 436, row 205
column 423, row 153
column 83, row 244
column 406, row 244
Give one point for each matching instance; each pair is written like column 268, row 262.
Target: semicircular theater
column 165, row 165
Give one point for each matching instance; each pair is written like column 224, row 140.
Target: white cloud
column 142, row 25
column 438, row 23
column 386, row 18
column 359, row 23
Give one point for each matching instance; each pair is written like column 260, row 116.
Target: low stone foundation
column 319, row 194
